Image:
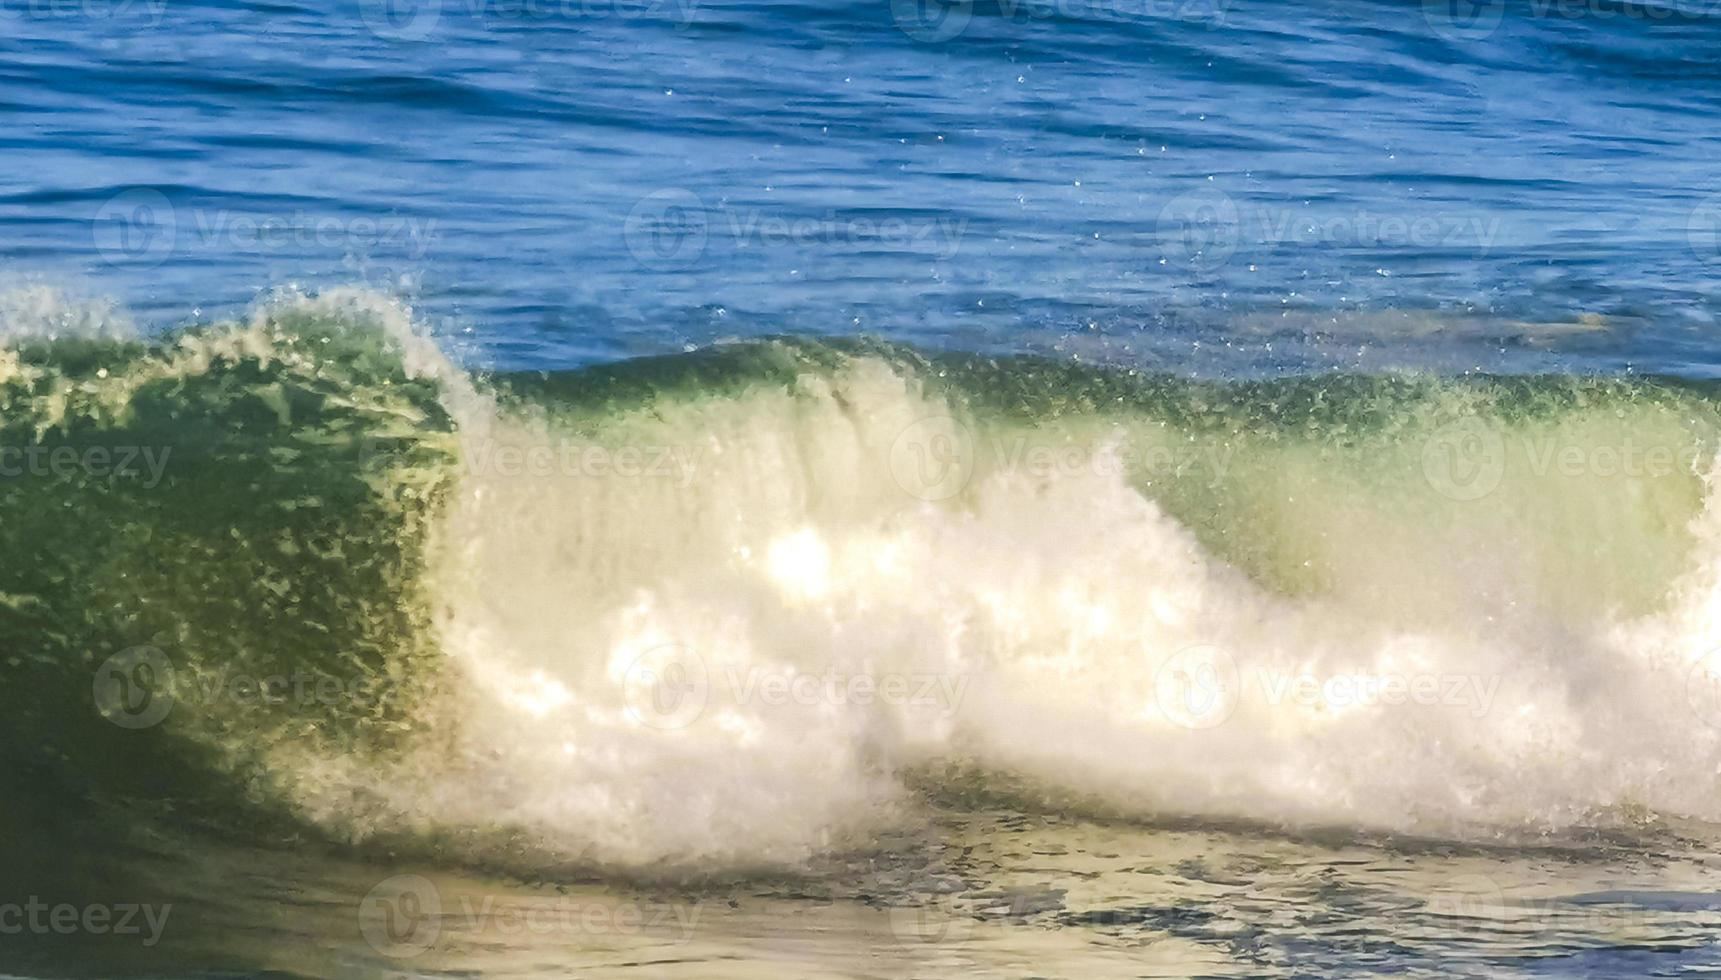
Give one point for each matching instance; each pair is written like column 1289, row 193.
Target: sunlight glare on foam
column 1076, row 603
column 538, row 694
column 800, row 563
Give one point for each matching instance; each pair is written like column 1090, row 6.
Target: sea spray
column 1397, row 602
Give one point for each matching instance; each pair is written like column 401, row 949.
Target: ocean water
column 1081, row 488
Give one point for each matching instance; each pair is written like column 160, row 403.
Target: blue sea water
column 1212, row 185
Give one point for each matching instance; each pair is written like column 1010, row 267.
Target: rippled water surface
column 1222, row 184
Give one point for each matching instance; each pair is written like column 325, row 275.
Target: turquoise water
column 889, row 490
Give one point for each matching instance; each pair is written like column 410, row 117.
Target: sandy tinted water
column 978, row 894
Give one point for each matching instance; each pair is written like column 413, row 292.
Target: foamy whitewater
column 741, row 608
column 676, row 665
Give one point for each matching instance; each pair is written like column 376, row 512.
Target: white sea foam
column 738, row 668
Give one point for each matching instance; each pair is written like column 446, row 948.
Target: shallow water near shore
column 984, row 893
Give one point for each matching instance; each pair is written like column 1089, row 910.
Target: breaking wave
column 750, row 604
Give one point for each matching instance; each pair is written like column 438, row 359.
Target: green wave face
column 299, row 574
column 218, row 498
column 1578, row 491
